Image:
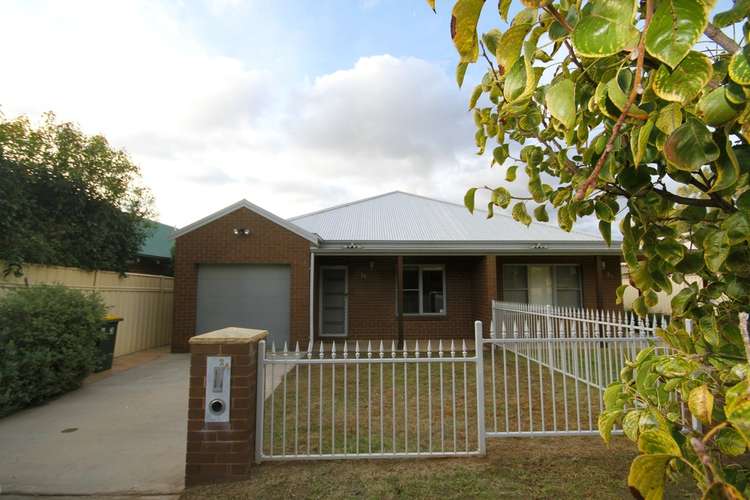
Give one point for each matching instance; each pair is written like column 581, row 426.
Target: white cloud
column 208, row 129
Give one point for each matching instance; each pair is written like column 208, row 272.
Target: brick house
column 392, row 266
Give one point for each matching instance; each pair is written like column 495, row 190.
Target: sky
column 295, row 106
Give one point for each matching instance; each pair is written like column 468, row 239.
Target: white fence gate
column 542, row 372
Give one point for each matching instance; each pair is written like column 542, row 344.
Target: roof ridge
column 342, row 205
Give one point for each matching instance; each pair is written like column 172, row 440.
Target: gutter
column 466, row 248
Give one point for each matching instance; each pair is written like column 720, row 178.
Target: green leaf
column 701, row 403
column 727, row 169
column 657, row 441
column 491, row 39
column 630, row 424
column 461, row 72
column 716, row 108
column 618, row 97
column 612, row 393
column 690, row 146
column 639, row 306
column 639, row 141
column 561, row 102
column 737, row 227
column 540, row 213
column 739, row 417
column 647, row 475
column 740, row 9
column 475, row 95
column 607, row 29
column 503, row 7
column 682, row 301
column 510, row 45
column 730, row 442
column 464, row 20
column 501, row 197
column 670, row 250
column 564, row 220
column 739, row 68
column 670, row 41
column 685, row 81
column 519, row 213
column 603, row 211
column 605, row 229
column 669, row 118
column 716, row 250
column 605, row 423
column 515, row 81
column 510, row 174
column 469, row 199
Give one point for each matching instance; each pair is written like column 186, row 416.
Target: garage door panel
column 247, row 296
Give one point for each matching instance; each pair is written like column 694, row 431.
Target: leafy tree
column 638, row 111
column 67, row 198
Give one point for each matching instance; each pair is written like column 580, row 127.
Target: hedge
column 48, row 343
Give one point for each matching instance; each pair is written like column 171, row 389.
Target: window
column 554, row 284
column 424, row 290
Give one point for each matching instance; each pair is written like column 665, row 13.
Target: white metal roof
column 404, row 217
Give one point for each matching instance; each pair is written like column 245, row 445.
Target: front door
column 333, row 301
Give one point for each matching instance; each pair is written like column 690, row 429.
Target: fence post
column 260, row 400
column 479, row 354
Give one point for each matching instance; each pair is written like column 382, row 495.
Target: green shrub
column 48, row 343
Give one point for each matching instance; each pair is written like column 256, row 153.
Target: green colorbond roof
column 158, row 242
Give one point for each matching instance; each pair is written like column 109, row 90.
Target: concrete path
column 124, row 434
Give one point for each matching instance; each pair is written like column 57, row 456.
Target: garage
column 244, row 295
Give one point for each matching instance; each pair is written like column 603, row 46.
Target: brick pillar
column 222, row 451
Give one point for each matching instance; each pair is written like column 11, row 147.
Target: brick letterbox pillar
column 222, row 451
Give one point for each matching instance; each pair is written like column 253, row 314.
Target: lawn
column 565, row 467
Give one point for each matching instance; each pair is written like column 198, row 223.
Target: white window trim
column 555, row 289
column 346, row 303
column 420, row 268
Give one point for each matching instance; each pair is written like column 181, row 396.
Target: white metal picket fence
column 556, row 364
column 541, row 372
column 366, row 400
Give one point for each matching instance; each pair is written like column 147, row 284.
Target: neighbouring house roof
column 403, row 223
column 158, row 242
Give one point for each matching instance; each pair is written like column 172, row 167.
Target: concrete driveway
column 123, row 435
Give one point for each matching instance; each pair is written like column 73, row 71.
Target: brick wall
column 372, row 297
column 215, row 243
column 222, row 451
column 610, row 277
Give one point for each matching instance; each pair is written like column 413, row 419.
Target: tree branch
column 492, row 66
column 631, row 99
column 721, row 39
column 686, row 200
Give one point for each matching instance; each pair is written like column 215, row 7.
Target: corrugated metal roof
column 400, row 216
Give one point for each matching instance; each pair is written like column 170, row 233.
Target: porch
column 412, row 297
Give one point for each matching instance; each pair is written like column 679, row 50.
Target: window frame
column 555, row 288
column 420, row 268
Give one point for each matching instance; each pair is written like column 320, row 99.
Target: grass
column 565, row 467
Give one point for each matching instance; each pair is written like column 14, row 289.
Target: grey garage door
column 244, row 295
